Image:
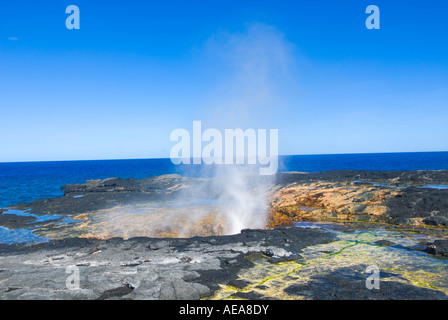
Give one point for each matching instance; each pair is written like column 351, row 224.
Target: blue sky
column 136, row 70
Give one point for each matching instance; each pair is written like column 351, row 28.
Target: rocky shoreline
column 144, row 268
column 196, row 268
column 413, row 198
column 352, row 219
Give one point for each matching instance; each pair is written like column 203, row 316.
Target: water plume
column 257, row 62
column 253, row 70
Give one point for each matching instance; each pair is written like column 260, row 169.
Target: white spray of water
column 254, row 70
column 242, row 198
column 258, row 62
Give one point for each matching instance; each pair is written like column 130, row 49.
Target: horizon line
column 283, row 155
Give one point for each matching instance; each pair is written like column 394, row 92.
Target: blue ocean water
column 28, row 181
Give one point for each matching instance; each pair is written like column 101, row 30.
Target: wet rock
column 181, row 290
column 250, row 295
column 350, row 284
column 385, row 243
column 14, row 221
column 108, row 193
column 438, row 248
column 376, row 198
column 118, row 292
column 285, row 258
column 397, row 178
column 267, row 253
column 154, row 184
column 418, row 203
column 239, row 284
column 436, row 221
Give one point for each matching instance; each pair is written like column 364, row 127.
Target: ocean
column 28, row 181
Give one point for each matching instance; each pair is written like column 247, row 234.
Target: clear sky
column 136, row 70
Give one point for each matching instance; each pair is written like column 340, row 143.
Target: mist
column 220, row 199
column 258, row 63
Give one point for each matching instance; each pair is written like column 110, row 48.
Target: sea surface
column 28, row 181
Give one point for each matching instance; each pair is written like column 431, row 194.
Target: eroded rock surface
column 438, row 248
column 280, row 263
column 143, row 268
column 350, row 284
column 15, row 221
column 401, row 198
